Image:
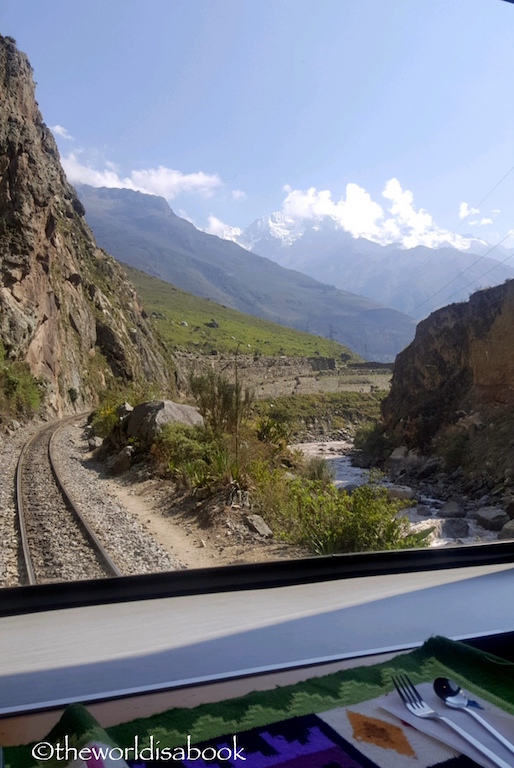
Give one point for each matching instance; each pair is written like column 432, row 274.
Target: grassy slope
column 169, row 307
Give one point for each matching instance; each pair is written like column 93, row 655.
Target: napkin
column 503, row 723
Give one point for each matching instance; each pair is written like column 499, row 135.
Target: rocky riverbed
column 458, row 512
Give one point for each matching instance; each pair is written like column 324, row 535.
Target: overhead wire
column 463, row 272
column 436, row 293
column 484, row 274
column 431, row 255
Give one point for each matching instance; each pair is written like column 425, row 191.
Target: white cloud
column 162, row 181
column 484, row 222
column 357, row 214
column 465, row 211
column 238, row 194
column 217, row 227
column 361, row 216
column 169, row 183
column 62, row 132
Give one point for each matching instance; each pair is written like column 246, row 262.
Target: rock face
column 461, row 360
column 66, row 307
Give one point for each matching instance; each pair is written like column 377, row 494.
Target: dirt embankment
column 197, row 533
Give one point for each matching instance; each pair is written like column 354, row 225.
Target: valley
column 142, row 231
column 110, row 302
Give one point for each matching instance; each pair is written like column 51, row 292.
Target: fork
column 416, row 706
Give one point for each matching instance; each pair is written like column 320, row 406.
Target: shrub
column 325, row 520
column 193, row 456
column 454, row 450
column 371, row 440
column 222, row 404
column 105, row 419
column 275, row 433
column 317, row 468
column 177, row 443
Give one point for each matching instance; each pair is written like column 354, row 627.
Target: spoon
column 453, row 695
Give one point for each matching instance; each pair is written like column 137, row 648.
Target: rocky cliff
column 456, row 379
column 66, row 307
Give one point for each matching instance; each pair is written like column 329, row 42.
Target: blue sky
column 392, row 116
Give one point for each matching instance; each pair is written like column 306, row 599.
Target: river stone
column 492, row 518
column 451, row 509
column 147, row 419
column 509, row 509
column 400, row 492
column 507, row 532
column 455, row 528
column 422, row 510
column 429, row 468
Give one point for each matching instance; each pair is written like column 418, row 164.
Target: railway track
column 57, row 543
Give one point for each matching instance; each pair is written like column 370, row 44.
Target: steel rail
column 101, row 554
column 106, row 560
column 27, row 558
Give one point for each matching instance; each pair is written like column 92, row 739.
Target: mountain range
column 415, row 281
column 142, row 231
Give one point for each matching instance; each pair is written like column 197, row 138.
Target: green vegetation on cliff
column 20, row 393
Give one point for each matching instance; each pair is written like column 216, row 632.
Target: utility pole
column 236, row 394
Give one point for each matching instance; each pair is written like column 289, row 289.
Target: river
column 424, row 515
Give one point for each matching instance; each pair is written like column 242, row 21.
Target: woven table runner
column 336, row 721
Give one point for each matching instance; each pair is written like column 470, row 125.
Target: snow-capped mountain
column 142, row 231
column 413, row 280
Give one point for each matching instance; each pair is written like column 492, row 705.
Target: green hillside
column 200, row 325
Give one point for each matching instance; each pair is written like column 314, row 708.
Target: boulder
column 507, row 531
column 123, row 410
column 403, row 460
column 451, row 509
column 94, row 443
column 147, row 419
column 257, row 524
column 492, row 518
column 399, row 454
